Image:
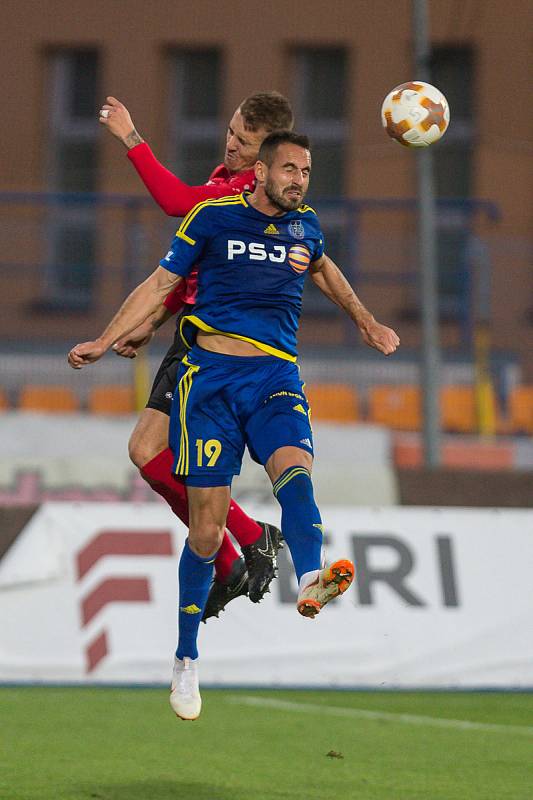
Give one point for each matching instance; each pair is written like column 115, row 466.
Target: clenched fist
column 85, row 353
column 379, row 336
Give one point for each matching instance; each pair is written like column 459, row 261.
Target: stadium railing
column 67, row 261
column 77, row 255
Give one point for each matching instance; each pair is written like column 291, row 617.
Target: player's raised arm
column 173, row 195
column 117, row 119
column 146, row 299
column 330, row 280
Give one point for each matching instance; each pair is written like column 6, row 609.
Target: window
column 72, row 167
column 319, row 96
column 452, row 70
column 73, row 120
column 320, row 99
column 195, row 121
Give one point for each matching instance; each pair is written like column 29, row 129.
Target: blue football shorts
column 223, row 403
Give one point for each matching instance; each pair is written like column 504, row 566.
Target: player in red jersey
column 256, row 116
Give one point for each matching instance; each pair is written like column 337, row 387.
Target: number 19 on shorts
column 209, row 450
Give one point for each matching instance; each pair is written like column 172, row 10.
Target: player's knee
column 141, row 451
column 286, row 457
column 137, row 452
column 205, row 539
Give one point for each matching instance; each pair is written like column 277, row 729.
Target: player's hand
column 85, row 353
column 129, row 345
column 117, row 119
column 379, row 336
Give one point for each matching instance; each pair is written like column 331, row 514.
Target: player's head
column 255, row 118
column 283, row 169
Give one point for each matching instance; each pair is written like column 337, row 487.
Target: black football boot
column 261, row 563
column 221, row 592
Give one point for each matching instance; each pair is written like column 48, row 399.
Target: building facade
column 181, row 68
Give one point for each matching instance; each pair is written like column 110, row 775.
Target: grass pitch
column 126, row 744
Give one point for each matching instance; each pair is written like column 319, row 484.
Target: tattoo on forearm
column 133, row 139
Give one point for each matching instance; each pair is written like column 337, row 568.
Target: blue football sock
column 300, row 518
column 195, row 574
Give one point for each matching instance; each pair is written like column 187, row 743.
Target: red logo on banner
column 114, row 589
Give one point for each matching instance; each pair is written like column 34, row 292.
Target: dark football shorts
column 165, row 380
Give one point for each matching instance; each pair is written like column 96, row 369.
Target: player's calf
column 300, row 518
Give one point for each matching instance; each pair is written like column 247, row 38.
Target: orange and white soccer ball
column 416, row 114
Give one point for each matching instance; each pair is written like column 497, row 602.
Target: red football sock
column 225, row 558
column 244, row 528
column 158, row 473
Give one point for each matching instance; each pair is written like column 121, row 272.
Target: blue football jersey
column 251, row 271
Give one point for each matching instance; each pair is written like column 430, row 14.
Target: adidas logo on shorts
column 306, row 441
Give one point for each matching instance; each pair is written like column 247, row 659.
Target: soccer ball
column 416, row 114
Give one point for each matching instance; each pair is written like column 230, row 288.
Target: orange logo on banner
column 299, row 258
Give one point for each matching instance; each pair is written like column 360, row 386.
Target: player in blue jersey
column 239, row 385
column 256, row 116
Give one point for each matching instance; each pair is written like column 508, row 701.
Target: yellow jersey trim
column 230, row 200
column 210, row 201
column 203, row 326
column 180, row 235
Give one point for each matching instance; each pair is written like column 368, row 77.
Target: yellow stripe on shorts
column 184, row 388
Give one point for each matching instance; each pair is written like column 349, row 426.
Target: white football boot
column 184, row 690
column 320, row 586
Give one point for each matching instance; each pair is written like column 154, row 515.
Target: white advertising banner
column 442, row 598
column 84, row 458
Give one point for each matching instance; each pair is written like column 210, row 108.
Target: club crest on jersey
column 296, row 229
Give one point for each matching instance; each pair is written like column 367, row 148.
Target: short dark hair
column 275, row 139
column 269, row 110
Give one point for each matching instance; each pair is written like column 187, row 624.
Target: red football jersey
column 174, row 196
column 177, row 198
column 226, row 184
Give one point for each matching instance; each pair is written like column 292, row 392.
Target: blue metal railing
column 370, row 237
